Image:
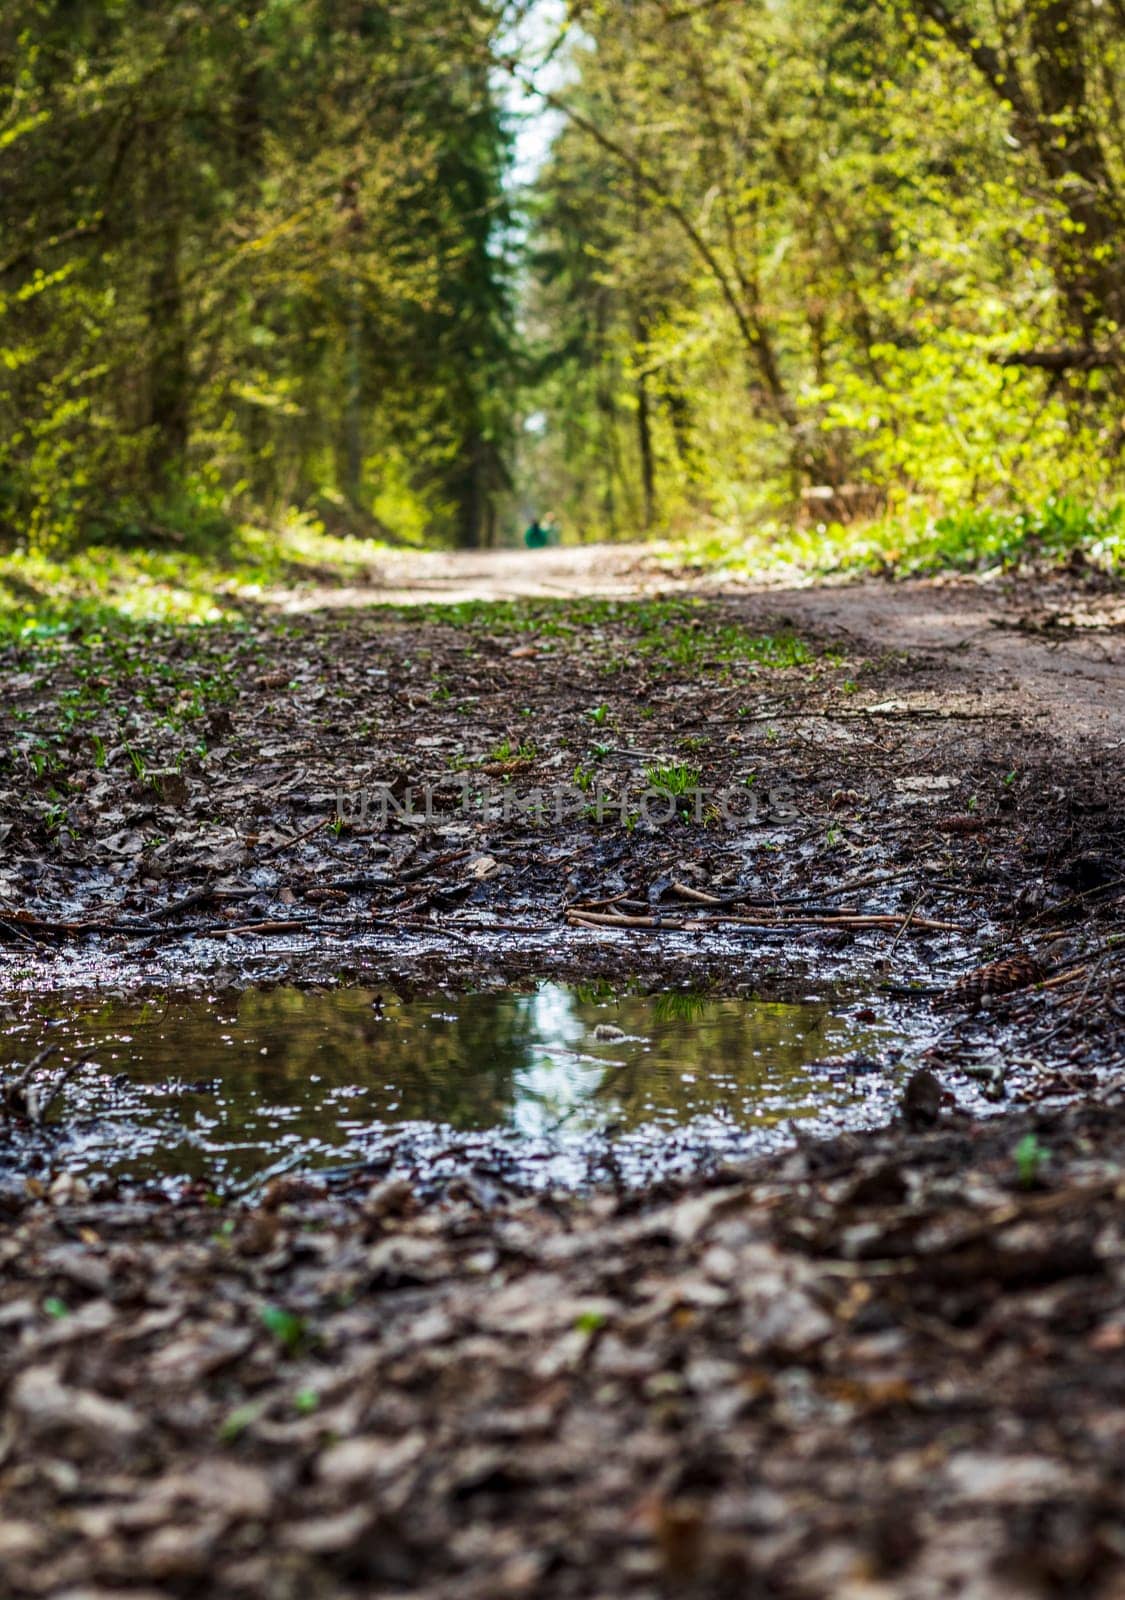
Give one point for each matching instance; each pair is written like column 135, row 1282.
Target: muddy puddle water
column 229, row 1088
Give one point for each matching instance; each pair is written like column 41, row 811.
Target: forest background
column 806, row 279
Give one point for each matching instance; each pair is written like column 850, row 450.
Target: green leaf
column 237, row 1421
column 589, row 1321
column 289, row 1329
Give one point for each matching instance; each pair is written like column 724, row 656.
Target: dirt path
column 453, row 577
column 885, row 1366
column 945, row 743
column 1052, row 651
column 1042, row 654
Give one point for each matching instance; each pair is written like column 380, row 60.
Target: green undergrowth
column 551, row 619
column 202, row 579
column 976, row 539
column 208, row 579
column 667, row 634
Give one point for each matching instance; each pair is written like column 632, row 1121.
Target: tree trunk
column 169, row 405
column 607, row 413
column 644, row 449
column 353, row 404
column 472, row 498
column 679, row 415
column 1088, row 260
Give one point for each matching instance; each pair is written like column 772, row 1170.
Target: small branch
column 275, row 850
column 43, row 1110
column 766, row 924
column 1074, row 359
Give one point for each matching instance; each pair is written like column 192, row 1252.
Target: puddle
column 225, row 1088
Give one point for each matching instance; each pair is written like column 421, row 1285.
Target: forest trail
column 973, row 726
column 1034, row 649
column 455, row 577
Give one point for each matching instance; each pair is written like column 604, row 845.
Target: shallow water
column 225, row 1087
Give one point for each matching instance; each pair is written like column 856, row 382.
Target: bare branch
column 1067, row 359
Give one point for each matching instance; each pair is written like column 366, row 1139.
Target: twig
column 775, row 925
column 274, row 850
column 20, row 1083
column 909, row 915
column 597, row 919
column 200, row 897
column 687, row 893
column 60, row 1083
column 284, row 925
column 857, row 920
column 1060, row 979
column 18, row 1099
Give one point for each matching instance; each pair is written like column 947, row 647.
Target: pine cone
column 966, row 822
column 998, row 977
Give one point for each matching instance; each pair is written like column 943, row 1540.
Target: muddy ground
column 890, row 1366
column 887, row 1366
column 884, row 784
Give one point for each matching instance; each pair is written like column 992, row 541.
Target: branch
column 752, row 336
column 999, row 74
column 1066, row 359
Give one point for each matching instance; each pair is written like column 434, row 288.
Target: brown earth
column 942, row 753
column 890, row 1366
column 934, row 776
column 886, row 1367
column 1048, row 647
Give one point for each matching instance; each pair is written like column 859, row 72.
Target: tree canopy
column 863, row 252
column 255, row 246
column 270, row 253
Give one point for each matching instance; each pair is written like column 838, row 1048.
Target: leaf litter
column 883, row 1364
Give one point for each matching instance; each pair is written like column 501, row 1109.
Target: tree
column 855, row 238
column 252, row 248
column 1060, row 113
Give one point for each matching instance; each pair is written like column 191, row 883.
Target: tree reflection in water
column 289, row 1069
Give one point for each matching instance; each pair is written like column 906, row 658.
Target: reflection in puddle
column 224, row 1087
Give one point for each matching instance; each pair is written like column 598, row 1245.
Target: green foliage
column 506, row 751
column 235, row 1424
column 971, row 539
column 1030, row 1158
column 44, row 594
column 1060, row 525
column 780, row 276
column 687, row 648
column 676, row 780
column 251, row 254
column 672, row 1007
column 589, row 1322
column 781, row 250
column 290, row 1330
